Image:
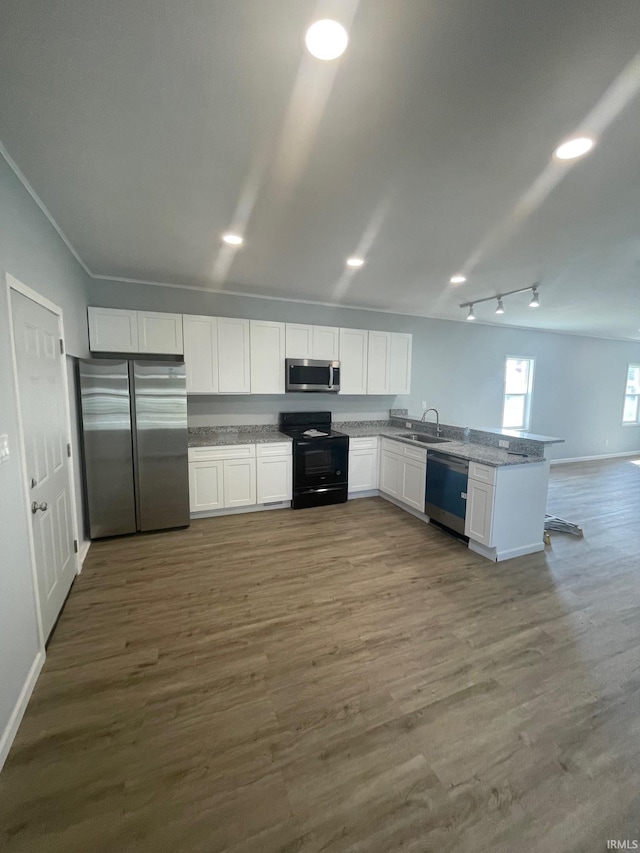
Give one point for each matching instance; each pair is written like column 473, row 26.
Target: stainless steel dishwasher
column 446, row 492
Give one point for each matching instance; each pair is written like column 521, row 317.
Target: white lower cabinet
column 403, row 472
column 363, row 464
column 478, row 523
column 240, row 475
column 205, row 486
column 239, row 483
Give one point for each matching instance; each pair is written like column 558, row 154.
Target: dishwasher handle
column 451, row 462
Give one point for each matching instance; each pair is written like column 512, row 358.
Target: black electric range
column 320, row 459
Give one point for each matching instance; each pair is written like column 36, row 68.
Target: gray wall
column 457, row 367
column 31, row 251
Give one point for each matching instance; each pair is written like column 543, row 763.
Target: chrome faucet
column 426, row 412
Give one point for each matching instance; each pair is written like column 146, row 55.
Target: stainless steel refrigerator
column 134, row 436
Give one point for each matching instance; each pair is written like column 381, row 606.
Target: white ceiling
column 150, row 127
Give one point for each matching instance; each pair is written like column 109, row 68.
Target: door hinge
column 61, row 347
column 69, row 451
column 75, row 545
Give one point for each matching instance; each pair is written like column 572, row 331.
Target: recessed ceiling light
column 326, row 39
column 573, row 148
column 355, row 262
column 457, row 279
column 233, row 239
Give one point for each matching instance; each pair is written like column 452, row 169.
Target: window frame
column 528, row 396
column 625, row 395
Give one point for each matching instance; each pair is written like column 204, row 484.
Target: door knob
column 35, row 506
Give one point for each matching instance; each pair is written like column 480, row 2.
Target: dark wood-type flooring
column 342, row 679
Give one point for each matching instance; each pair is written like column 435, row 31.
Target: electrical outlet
column 424, row 405
column 407, row 424
column 4, row 448
column 503, row 443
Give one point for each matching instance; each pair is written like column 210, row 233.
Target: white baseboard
column 370, row 493
column 214, row 513
column 82, row 554
column 17, row 714
column 595, row 458
column 499, row 556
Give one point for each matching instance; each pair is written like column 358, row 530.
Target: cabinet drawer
column 417, row 453
column 226, row 451
column 274, row 448
column 482, row 473
column 369, row 443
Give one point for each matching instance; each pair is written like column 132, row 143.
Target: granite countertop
column 492, row 456
column 218, row 439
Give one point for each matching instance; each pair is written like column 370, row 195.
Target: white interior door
column 40, row 368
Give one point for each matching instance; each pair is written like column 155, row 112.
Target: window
column 518, row 382
column 631, row 408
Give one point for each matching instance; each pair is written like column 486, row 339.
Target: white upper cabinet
column 234, row 376
column 160, row 333
column 201, row 353
column 267, row 357
column 379, row 358
column 400, row 363
column 326, row 343
column 117, row 330
column 113, row 330
column 320, row 342
column 354, row 347
column 299, row 341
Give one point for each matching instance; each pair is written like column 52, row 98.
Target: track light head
column 500, row 308
column 471, row 315
column 535, row 299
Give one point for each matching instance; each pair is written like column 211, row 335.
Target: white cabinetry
column 275, row 481
column 400, row 363
column 113, row 330
column 379, row 363
column 267, row 357
column 234, row 376
column 160, row 333
column 305, row 341
column 363, row 464
column 201, row 353
column 354, row 347
column 403, row 472
column 506, row 508
column 118, row 330
column 222, row 477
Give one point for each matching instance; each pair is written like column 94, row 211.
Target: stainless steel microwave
column 307, row 374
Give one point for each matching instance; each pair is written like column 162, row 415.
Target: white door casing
column 40, row 376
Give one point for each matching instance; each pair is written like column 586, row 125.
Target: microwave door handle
column 330, row 376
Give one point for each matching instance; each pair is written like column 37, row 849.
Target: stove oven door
column 319, row 463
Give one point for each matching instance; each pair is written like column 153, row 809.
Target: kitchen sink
column 423, row 438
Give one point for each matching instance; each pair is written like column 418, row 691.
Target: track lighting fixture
column 535, row 300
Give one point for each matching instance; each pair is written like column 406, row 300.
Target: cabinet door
column 239, row 482
column 414, row 478
column 201, row 354
column 113, row 330
column 390, row 473
column 363, row 470
column 234, row 369
column 378, row 363
column 267, row 357
column 299, row 342
column 160, row 333
column 478, row 522
column 326, row 343
column 275, row 479
column 400, row 363
column 354, row 346
column 205, row 486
